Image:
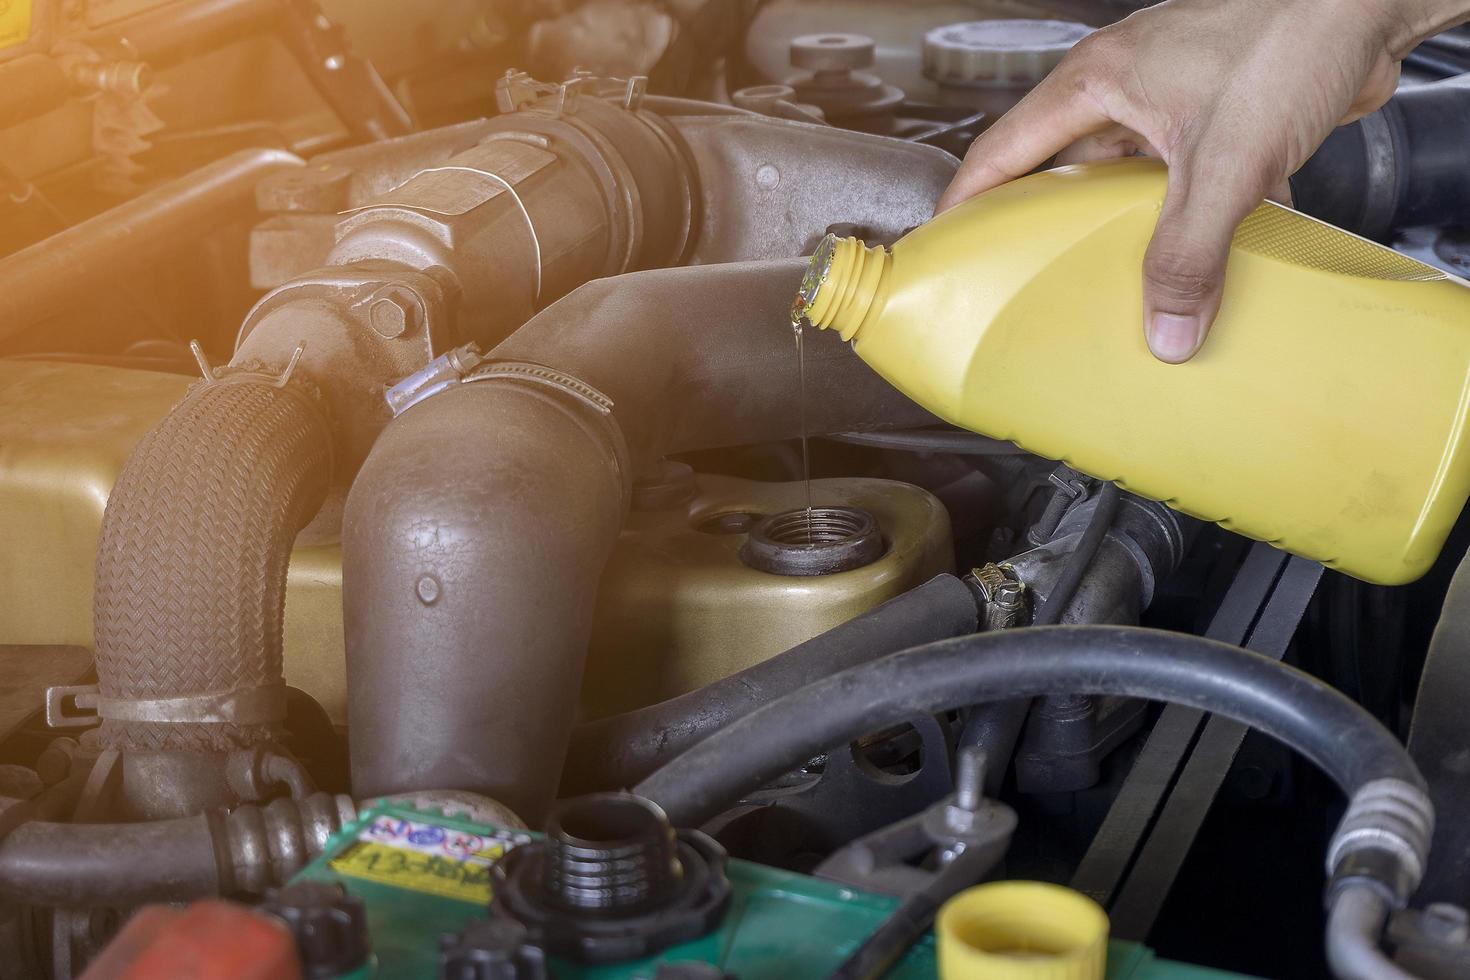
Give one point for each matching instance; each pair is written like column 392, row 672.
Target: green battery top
column 423, row 875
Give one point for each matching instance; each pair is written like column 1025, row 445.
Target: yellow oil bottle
column 1325, row 413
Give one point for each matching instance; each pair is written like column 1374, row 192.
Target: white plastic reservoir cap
column 998, row 53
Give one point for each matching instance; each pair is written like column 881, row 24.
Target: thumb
column 1184, row 268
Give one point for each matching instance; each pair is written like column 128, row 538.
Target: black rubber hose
column 242, row 852
column 957, row 442
column 614, row 752
column 1322, row 724
column 1400, row 167
column 191, row 564
column 110, row 865
column 1065, row 589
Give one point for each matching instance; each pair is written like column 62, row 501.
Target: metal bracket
column 517, row 89
column 568, row 96
column 83, row 710
column 259, row 705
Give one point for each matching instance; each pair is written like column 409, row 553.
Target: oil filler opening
column 819, row 541
column 609, row 851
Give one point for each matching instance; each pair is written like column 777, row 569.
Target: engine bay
column 404, row 438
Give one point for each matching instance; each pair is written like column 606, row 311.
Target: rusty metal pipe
column 39, row 281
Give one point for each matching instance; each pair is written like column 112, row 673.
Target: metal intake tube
column 477, row 529
column 40, row 279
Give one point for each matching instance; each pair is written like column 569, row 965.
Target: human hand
column 1234, row 95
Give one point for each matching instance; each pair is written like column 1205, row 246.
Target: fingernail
column 1172, row 337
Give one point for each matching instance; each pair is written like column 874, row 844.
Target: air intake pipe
column 566, row 185
column 477, row 529
column 1400, row 167
column 198, row 531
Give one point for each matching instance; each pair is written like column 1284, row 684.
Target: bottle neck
column 843, row 282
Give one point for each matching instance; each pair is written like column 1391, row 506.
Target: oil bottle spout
column 845, row 283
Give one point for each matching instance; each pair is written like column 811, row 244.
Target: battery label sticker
column 426, row 857
column 15, row 22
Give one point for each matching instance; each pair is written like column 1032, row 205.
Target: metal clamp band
column 541, row 374
column 256, row 706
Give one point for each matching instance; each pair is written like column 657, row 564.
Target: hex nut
column 393, row 311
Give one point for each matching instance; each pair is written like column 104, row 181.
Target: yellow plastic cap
column 844, row 281
column 1022, row 930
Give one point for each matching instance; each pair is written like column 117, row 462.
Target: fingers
column 1053, row 115
column 1184, row 268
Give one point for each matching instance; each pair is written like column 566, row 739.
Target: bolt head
column 388, row 317
column 393, row 311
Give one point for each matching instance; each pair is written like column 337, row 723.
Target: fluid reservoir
column 1325, row 413
column 705, row 585
column 991, row 64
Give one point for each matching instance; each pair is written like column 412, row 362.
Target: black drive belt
column 1137, row 853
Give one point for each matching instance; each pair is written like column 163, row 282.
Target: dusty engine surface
column 400, row 402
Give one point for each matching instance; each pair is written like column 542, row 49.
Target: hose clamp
column 444, row 371
column 550, row 377
column 254, row 706
column 1388, row 815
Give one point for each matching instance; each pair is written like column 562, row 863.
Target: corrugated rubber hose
column 191, row 566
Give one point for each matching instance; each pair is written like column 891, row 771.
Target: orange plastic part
column 209, row 940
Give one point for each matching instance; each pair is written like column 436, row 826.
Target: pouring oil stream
column 806, row 467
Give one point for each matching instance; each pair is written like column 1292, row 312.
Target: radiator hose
column 191, row 566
